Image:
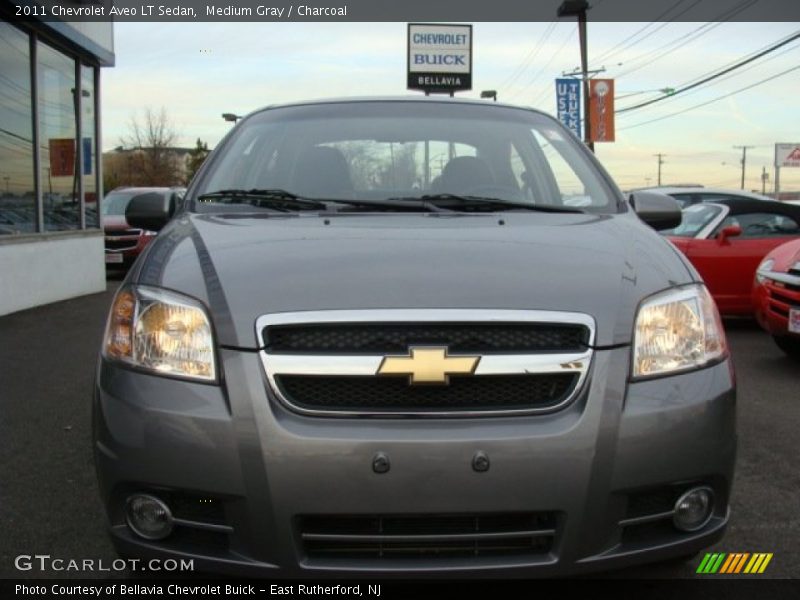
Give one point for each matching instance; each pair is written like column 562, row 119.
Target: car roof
column 705, row 190
column 442, row 99
column 739, row 206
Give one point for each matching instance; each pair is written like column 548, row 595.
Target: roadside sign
column 87, row 156
column 787, row 155
column 601, row 110
column 439, row 57
column 62, row 157
column 568, row 104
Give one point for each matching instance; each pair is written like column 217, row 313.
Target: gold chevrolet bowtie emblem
column 428, row 365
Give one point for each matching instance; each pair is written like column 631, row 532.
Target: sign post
column 786, row 155
column 568, row 104
column 439, row 58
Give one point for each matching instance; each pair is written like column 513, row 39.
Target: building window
column 58, row 104
column 17, row 189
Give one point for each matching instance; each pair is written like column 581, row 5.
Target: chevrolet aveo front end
column 412, row 336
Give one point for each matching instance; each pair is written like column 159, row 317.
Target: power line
column 712, row 77
column 661, row 51
column 569, row 38
column 781, row 74
column 658, row 19
column 726, row 78
column 529, row 58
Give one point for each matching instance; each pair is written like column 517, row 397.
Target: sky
column 197, row 71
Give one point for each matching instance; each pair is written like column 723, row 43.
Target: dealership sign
column 439, row 57
column 787, row 155
column 568, row 104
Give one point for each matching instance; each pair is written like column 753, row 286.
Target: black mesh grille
column 428, row 536
column 385, row 338
column 792, row 302
column 390, row 394
column 120, row 244
column 124, row 233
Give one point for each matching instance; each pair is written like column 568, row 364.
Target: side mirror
column 150, row 211
column 728, row 232
column 657, row 210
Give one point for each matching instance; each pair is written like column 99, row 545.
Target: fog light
column 148, row 517
column 694, row 509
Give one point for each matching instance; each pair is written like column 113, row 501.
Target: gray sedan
column 382, row 336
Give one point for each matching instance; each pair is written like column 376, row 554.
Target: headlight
column 676, row 331
column 161, row 331
column 763, row 269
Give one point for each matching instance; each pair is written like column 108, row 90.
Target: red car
column 776, row 296
column 726, row 241
column 124, row 243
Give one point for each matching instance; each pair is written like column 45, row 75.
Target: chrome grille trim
column 276, row 364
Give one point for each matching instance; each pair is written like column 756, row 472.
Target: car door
column 729, row 265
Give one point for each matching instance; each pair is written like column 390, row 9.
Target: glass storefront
column 18, row 192
column 89, row 146
column 56, row 90
column 57, row 126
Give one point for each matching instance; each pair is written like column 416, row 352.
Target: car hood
column 245, row 266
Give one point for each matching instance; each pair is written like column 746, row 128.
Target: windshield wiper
column 268, row 198
column 285, row 200
column 484, row 203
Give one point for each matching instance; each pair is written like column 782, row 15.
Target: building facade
column 51, row 243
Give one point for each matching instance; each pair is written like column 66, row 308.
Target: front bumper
column 597, row 469
column 773, row 301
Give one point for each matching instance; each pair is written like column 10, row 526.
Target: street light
column 489, row 94
column 578, row 8
column 230, row 117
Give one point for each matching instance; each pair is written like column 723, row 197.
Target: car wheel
column 790, row 345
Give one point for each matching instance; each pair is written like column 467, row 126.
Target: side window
column 760, row 225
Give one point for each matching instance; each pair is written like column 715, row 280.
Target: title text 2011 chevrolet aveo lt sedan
column 411, row 336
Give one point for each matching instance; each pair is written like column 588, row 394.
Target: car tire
column 790, row 345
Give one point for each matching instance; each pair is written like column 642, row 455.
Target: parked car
column 688, row 195
column 380, row 338
column 776, row 296
column 726, row 240
column 124, row 243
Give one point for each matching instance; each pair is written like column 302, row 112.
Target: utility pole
column 660, row 162
column 764, row 180
column 578, row 8
column 744, row 160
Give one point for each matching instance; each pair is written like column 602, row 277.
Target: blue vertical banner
column 87, row 156
column 568, row 104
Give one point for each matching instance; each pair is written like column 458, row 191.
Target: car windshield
column 694, row 219
column 115, row 203
column 386, row 153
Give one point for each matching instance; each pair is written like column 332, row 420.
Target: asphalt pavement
column 48, row 495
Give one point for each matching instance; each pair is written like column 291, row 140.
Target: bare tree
column 150, row 148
